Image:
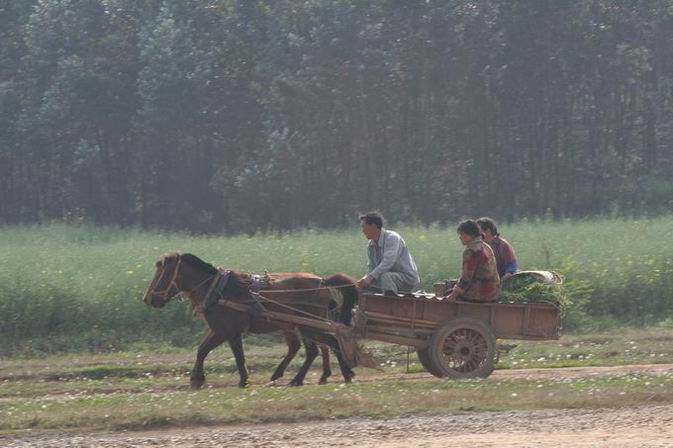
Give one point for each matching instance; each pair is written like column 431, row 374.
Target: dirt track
column 615, row 428
column 644, row 426
column 529, row 374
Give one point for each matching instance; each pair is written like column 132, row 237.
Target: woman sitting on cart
column 479, row 281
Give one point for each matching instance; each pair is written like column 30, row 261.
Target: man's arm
column 390, row 254
column 366, row 279
column 470, row 262
column 509, row 261
column 370, row 258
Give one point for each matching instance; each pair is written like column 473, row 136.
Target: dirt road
column 640, row 427
column 644, row 426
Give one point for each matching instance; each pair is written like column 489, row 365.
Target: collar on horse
column 258, row 282
column 217, row 287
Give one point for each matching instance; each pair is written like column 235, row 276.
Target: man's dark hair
column 372, row 218
column 469, row 227
column 488, row 224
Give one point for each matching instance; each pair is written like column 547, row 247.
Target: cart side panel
column 509, row 322
column 479, row 311
column 545, row 322
column 410, row 308
column 533, row 321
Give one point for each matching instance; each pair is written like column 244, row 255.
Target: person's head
column 488, row 227
column 468, row 230
column 371, row 224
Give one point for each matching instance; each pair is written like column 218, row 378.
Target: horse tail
column 346, row 285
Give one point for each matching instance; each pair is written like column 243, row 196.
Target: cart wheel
column 463, row 348
column 427, row 363
column 487, row 373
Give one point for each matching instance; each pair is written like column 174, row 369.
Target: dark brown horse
column 305, row 292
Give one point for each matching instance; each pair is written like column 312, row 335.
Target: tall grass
column 79, row 287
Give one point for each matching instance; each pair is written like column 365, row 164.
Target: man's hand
column 506, row 276
column 453, row 295
column 364, row 282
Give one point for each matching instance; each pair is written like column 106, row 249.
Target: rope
column 258, row 295
column 346, row 285
column 320, row 288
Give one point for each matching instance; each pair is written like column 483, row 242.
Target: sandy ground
column 650, row 426
column 644, row 426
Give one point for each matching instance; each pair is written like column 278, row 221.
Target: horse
column 186, row 273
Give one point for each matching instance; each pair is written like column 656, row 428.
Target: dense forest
column 238, row 115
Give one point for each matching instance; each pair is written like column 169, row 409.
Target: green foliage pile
column 570, row 294
column 532, row 290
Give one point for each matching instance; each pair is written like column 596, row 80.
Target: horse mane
column 199, row 263
column 238, row 284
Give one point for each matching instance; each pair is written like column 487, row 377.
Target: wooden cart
column 453, row 339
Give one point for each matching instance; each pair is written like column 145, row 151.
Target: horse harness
column 261, row 282
column 215, row 294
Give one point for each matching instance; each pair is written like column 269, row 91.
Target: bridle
column 164, row 293
column 167, row 293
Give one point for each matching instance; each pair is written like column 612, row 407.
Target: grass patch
column 377, row 400
column 143, row 390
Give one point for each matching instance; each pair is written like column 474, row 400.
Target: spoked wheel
column 427, row 362
column 463, row 348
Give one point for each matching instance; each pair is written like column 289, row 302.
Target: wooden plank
column 526, row 321
column 402, row 320
column 397, row 324
column 276, row 316
column 387, row 329
column 414, row 342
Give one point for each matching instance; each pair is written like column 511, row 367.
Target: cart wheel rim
column 465, row 350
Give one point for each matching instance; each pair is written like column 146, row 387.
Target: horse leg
column 311, row 354
column 331, row 342
column 211, row 341
column 293, row 345
column 346, row 371
column 236, row 344
column 326, row 368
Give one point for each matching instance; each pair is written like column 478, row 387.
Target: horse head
column 177, row 273
column 164, row 285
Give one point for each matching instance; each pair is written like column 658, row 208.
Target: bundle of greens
column 533, row 287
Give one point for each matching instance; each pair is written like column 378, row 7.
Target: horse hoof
column 323, row 381
column 272, row 383
column 244, row 385
column 294, row 383
column 197, row 381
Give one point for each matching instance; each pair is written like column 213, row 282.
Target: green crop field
column 73, row 288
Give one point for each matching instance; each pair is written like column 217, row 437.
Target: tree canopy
column 232, row 115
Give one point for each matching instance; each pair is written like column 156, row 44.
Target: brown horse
column 305, row 292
